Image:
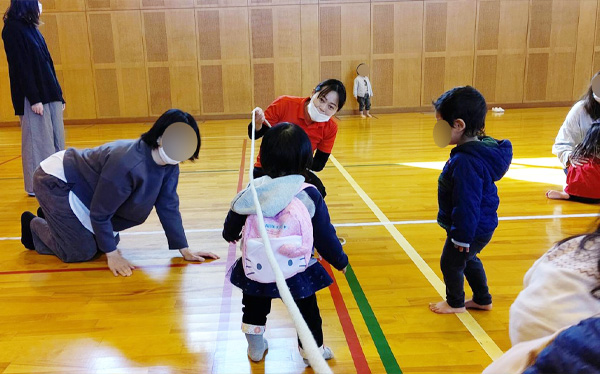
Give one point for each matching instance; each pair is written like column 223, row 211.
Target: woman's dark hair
column 27, row 11
column 587, row 237
column 590, row 146
column 332, row 85
column 592, row 107
column 286, row 150
column 168, row 118
column 464, row 103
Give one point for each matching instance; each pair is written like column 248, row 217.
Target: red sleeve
column 329, row 134
column 275, row 111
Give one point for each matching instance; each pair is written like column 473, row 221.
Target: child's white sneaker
column 326, row 352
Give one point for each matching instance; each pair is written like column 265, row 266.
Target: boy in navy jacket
column 468, row 197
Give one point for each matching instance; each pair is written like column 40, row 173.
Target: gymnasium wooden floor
column 178, row 317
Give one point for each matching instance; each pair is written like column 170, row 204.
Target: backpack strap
column 305, row 199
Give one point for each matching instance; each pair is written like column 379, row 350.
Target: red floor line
column 72, row 270
column 242, row 166
column 358, row 356
column 12, row 159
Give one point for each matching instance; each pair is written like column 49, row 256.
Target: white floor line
column 366, row 224
column 486, row 342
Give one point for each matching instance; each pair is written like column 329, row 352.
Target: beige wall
column 137, row 58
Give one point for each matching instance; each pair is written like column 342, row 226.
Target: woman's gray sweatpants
column 41, row 136
column 60, row 233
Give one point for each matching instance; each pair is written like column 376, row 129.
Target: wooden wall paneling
column 563, row 44
column 93, row 5
column 156, row 49
column 552, row 47
column 486, row 48
column 262, row 54
column 460, row 43
column 310, row 60
column 397, row 34
column 167, row 40
column 183, row 54
column 220, row 3
column 235, row 61
column 209, row 52
column 104, row 64
column 75, row 64
column 340, row 1
column 52, row 6
column 596, row 56
column 131, row 66
column 7, row 112
column 382, row 50
column 273, row 2
column 538, row 49
column 355, row 43
column 287, row 50
column 512, row 51
column 330, row 42
column 585, row 47
column 4, row 5
column 434, row 46
column 167, row 4
column 449, row 38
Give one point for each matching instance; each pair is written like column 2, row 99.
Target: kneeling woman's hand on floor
column 118, row 265
column 197, row 256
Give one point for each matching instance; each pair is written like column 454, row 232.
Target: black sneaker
column 26, row 236
column 40, row 213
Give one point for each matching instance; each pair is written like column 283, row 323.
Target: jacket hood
column 495, row 155
column 273, row 195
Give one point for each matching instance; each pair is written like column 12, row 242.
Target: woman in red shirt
column 314, row 115
column 583, row 178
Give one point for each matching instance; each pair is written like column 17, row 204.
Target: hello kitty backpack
column 291, row 237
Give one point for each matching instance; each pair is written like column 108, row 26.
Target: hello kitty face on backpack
column 256, row 263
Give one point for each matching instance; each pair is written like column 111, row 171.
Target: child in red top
column 583, row 181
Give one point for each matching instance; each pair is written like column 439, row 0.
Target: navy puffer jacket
column 575, row 350
column 467, row 194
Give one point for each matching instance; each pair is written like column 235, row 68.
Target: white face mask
column 314, row 113
column 597, row 98
column 40, row 6
column 163, row 155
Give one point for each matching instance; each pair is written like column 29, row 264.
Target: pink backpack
column 291, row 237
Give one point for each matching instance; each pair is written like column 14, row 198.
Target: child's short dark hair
column 285, row 150
column 168, row 118
column 464, row 103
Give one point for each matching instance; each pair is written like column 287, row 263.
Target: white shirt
column 572, row 132
column 53, row 165
column 362, row 86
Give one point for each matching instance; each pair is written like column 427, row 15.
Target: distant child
column 363, row 90
column 286, row 155
column 467, row 197
column 583, row 175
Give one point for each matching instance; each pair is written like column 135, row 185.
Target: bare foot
column 470, row 304
column 557, row 195
column 443, row 308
